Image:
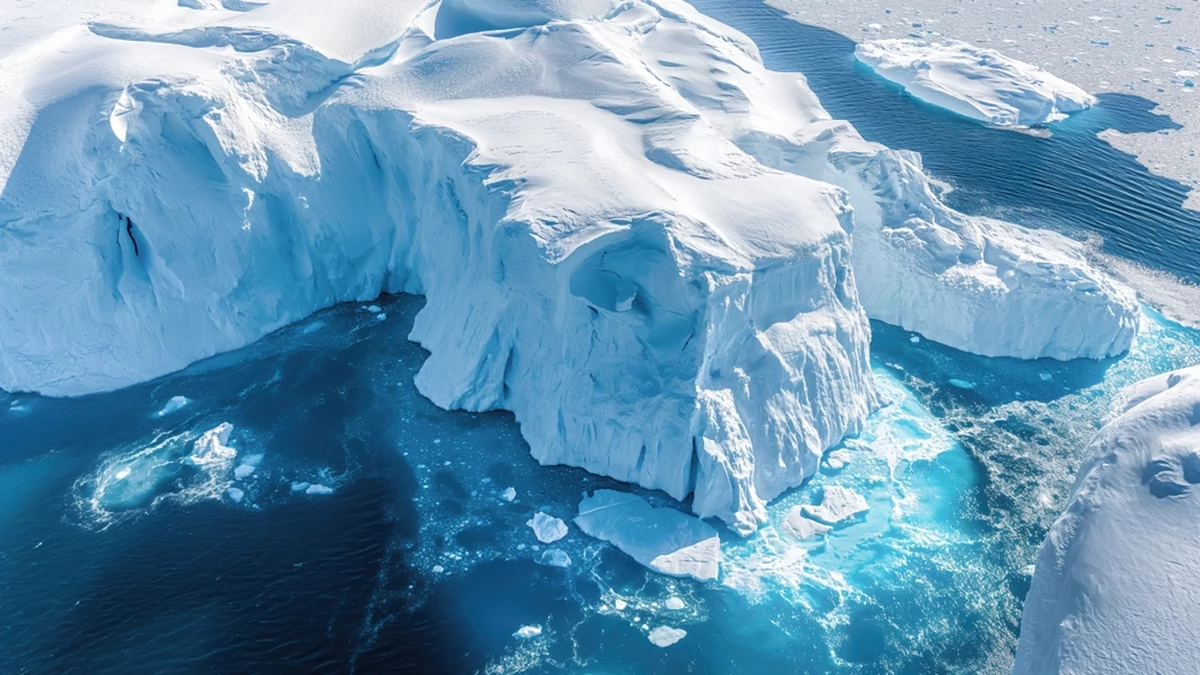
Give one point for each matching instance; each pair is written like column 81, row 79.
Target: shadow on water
column 1073, row 181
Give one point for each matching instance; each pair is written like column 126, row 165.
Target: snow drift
column 1114, row 586
column 982, row 84
column 581, row 191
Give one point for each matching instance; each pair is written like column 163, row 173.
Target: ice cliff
column 628, row 232
column 982, row 84
column 1114, row 589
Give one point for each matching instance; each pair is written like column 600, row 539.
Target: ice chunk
column 243, row 471
column 837, row 460
column 374, row 309
column 547, row 528
column 509, row 494
column 837, row 504
column 211, row 450
column 1118, row 570
column 526, row 632
column 675, row 603
column 175, row 404
column 235, row 494
column 665, row 636
column 982, row 84
column 317, row 489
column 301, row 486
column 802, row 527
column 663, row 539
column 555, row 557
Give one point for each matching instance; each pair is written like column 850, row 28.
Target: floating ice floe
column 674, row 603
column 235, row 494
column 802, row 527
column 547, row 528
column 555, row 557
column 1117, row 571
column 175, row 404
column 317, row 489
column 509, row 494
column 982, row 84
column 663, row 539
column 300, row 486
column 837, row 504
column 526, row 632
column 665, row 636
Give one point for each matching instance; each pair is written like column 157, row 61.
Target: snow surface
column 1114, row 588
column 613, row 210
column 663, row 539
column 982, row 84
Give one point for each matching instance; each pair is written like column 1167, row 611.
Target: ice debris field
column 660, row 256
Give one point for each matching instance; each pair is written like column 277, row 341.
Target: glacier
column 1114, row 585
column 982, row 84
column 657, row 254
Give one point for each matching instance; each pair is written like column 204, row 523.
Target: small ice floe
column 374, row 309
column 554, row 557
column 837, row 460
column 509, row 494
column 915, row 339
column 526, row 632
column 675, row 603
column 802, row 527
column 318, row 489
column 235, row 495
column 961, row 384
column 18, row 407
column 546, row 527
column 837, row 504
column 620, row 604
column 243, row 471
column 1046, row 377
column 175, row 404
column 666, row 540
column 381, row 316
column 665, row 636
column 438, row 569
column 301, row 486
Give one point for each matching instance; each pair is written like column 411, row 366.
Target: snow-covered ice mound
column 583, row 198
column 982, row 84
column 663, row 539
column 1116, row 585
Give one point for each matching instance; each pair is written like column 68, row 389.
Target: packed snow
column 613, row 210
column 982, row 84
column 1114, row 587
column 664, row 539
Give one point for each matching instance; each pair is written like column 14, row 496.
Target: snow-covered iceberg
column 627, row 230
column 1115, row 588
column 663, row 539
column 982, row 84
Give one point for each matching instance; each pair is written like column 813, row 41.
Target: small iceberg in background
column 174, row 405
column 547, row 528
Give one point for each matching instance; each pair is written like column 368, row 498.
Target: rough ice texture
column 1115, row 588
column 799, row 525
column 982, row 84
column 584, row 198
column 837, row 504
column 665, row 540
column 547, row 528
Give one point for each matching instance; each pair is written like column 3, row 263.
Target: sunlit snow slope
column 1114, row 590
column 580, row 189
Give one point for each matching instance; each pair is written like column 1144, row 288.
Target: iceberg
column 1114, row 587
column 982, row 84
column 666, row 540
column 628, row 232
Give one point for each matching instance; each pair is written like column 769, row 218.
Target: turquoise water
column 118, row 554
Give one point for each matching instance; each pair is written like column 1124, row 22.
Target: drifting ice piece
column 982, row 84
column 837, row 504
column 1116, row 588
column 665, row 636
column 547, row 528
column 801, row 526
column 663, row 539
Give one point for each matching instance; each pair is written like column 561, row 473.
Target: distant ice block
column 319, row 490
column 837, row 504
column 982, row 84
column 665, row 636
column 235, row 494
column 175, row 404
column 555, row 557
column 663, row 539
column 547, row 528
column 509, row 494
column 1116, row 588
column 526, row 632
column 243, row 471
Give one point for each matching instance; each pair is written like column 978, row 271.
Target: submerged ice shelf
column 614, row 211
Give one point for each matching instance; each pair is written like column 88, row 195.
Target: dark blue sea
column 361, row 529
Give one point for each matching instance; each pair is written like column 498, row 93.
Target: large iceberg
column 982, row 84
column 628, row 231
column 1115, row 586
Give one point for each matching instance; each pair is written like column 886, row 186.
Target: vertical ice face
column 1114, row 586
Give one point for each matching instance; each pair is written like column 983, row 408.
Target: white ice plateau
column 982, row 84
column 628, row 232
column 1114, row 589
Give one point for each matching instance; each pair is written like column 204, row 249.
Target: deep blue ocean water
column 118, row 557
